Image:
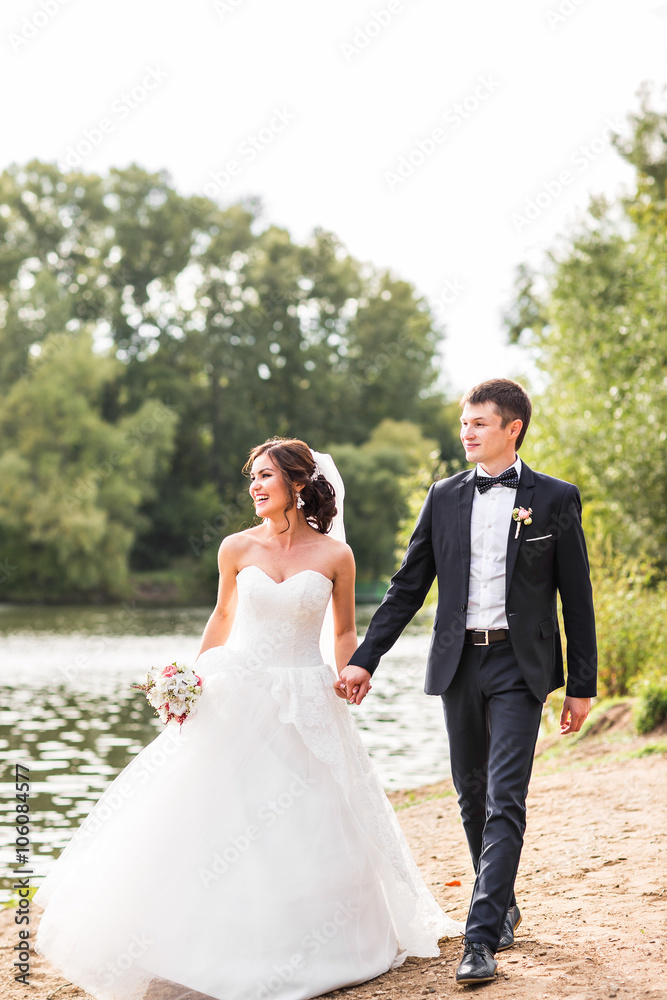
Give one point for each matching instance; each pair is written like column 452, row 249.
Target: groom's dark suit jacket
column 549, row 556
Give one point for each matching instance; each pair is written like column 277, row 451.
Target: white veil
column 326, row 465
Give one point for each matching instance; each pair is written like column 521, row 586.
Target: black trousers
column 492, row 723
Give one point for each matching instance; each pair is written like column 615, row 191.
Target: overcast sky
column 416, row 130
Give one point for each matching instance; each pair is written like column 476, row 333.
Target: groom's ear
column 515, row 428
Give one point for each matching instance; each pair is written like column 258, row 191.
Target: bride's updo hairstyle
column 297, row 465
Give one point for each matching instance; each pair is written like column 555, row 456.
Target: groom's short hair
column 509, row 398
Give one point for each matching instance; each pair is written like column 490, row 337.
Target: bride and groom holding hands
column 269, row 862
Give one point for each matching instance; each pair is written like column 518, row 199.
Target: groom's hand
column 353, row 684
column 573, row 716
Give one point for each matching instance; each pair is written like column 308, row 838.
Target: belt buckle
column 486, row 637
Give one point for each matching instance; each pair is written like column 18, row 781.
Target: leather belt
column 486, row 636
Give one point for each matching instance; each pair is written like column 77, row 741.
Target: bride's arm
column 220, row 623
column 345, row 630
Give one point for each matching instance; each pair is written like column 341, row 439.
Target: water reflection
column 67, row 710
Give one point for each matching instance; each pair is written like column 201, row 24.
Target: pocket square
column 540, row 539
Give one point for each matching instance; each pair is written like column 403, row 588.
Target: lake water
column 67, row 710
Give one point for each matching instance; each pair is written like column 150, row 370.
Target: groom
column 503, row 541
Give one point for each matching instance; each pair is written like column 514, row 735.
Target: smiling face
column 268, row 489
column 485, row 440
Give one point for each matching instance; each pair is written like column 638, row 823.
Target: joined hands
column 353, row 684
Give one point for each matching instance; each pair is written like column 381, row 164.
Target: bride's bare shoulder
column 339, row 553
column 237, row 545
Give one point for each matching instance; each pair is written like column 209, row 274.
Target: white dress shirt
column 489, row 528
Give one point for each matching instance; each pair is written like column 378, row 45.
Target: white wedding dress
column 252, row 854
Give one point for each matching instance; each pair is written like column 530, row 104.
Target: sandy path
column 592, row 885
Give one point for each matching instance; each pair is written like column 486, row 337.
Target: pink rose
column 198, row 680
column 170, row 670
column 521, row 516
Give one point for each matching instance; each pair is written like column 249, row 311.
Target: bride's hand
column 353, row 684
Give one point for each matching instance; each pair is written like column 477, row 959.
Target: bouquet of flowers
column 172, row 692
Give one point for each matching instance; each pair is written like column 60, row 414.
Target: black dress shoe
column 510, row 924
column 477, row 965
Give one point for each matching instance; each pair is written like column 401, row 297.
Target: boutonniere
column 521, row 516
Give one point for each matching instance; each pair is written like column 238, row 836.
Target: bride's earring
column 300, row 502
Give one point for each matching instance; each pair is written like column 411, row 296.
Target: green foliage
column 376, row 490
column 652, row 748
column 71, row 483
column 652, row 706
column 595, row 321
column 416, row 487
column 598, row 330
column 187, row 581
column 227, row 323
column 630, row 612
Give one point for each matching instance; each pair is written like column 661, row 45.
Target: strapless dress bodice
column 279, row 623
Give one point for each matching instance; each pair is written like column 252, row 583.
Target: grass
column 561, row 764
column 651, row 708
column 618, row 743
column 650, row 749
column 14, row 899
column 416, row 796
column 551, row 714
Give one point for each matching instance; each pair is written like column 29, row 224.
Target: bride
column 252, row 853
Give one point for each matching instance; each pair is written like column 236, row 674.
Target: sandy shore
column 592, row 885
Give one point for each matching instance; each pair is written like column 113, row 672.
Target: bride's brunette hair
column 297, row 465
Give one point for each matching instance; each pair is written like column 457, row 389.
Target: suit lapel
column 524, row 498
column 466, row 493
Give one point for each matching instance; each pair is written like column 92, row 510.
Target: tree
column 376, row 476
column 240, row 331
column 70, row 482
column 598, row 330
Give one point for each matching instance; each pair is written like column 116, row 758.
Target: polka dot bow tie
column 507, row 478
